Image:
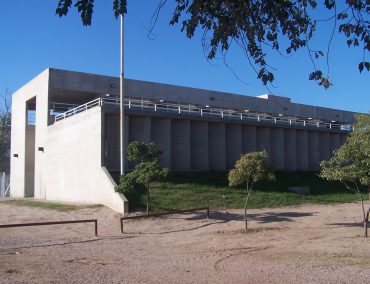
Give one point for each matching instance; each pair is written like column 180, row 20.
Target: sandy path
column 308, row 244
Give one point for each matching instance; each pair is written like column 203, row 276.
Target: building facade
column 65, row 142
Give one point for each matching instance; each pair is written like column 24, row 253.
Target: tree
column 259, row 27
column 145, row 172
column 351, row 163
column 251, row 168
column 5, row 123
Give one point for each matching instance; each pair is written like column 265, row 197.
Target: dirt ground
column 308, row 244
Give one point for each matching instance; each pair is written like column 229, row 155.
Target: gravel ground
column 308, row 244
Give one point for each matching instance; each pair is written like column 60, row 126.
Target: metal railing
column 203, row 111
column 4, row 185
column 95, row 221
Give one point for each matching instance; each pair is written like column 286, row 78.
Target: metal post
column 2, row 190
column 96, row 227
column 122, row 106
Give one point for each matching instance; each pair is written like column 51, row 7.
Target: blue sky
column 33, row 38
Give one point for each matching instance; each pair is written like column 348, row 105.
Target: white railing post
column 304, row 123
column 2, row 189
column 241, row 116
column 258, row 118
column 318, row 124
column 274, row 119
column 290, row 121
column 129, row 103
column 222, row 114
column 155, row 107
column 330, row 126
column 179, row 109
column 7, row 190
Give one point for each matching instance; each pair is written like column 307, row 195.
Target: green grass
column 49, row 205
column 189, row 189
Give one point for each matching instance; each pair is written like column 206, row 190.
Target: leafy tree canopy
column 351, row 162
column 249, row 169
column 258, row 27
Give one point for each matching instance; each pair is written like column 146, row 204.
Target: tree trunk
column 246, row 206
column 365, row 215
column 366, row 220
column 148, row 198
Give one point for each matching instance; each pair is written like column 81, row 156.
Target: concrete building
column 65, row 133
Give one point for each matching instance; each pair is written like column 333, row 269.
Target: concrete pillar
column 199, row 145
column 324, row 146
column 233, row 144
column 342, row 139
column 334, row 142
column 290, row 149
column 139, row 129
column 249, row 138
column 216, row 143
column 277, row 148
column 180, row 144
column 264, row 140
column 302, row 150
column 314, row 150
column 29, row 182
column 161, row 136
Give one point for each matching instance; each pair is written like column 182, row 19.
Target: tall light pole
column 122, row 103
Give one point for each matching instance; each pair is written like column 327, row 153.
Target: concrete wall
column 209, row 145
column 74, row 157
column 39, row 88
